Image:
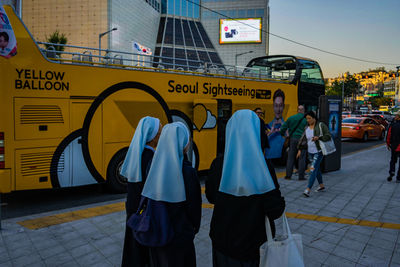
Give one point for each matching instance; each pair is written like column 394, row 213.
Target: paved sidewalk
column 356, row 222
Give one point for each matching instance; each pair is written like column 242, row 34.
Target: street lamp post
column 343, row 91
column 101, row 35
column 240, row 54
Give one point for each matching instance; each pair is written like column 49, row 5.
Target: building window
column 167, row 55
column 170, row 7
column 178, row 7
column 154, row 4
column 187, row 33
column 180, row 58
column 203, row 33
column 193, row 60
column 196, row 9
column 178, row 32
column 169, row 32
column 190, row 9
column 184, row 8
column 161, row 30
column 215, row 58
column 163, row 6
column 196, row 35
column 156, row 56
column 204, row 56
column 259, row 13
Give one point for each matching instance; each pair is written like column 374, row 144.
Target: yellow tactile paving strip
column 72, row 216
column 120, row 206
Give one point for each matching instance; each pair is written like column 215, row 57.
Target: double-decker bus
column 67, row 118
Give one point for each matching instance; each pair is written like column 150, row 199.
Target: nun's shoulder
column 188, row 168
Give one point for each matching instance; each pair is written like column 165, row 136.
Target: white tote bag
column 327, row 147
column 283, row 253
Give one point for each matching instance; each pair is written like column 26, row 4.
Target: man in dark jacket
column 393, row 144
column 295, row 125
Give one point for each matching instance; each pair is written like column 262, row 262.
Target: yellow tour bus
column 68, row 117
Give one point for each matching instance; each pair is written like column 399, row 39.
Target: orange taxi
column 362, row 128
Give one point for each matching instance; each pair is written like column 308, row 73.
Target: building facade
column 214, row 10
column 182, row 39
column 186, row 31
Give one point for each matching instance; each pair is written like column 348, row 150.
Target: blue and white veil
column 244, row 171
column 165, row 179
column 145, row 132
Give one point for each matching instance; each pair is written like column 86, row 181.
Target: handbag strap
column 320, row 129
column 143, row 201
column 268, row 230
column 285, row 227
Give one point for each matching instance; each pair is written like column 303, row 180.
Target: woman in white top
column 313, row 134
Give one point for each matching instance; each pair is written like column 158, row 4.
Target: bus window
column 282, row 67
column 310, row 72
column 224, row 113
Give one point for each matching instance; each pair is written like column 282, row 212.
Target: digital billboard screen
column 234, row 31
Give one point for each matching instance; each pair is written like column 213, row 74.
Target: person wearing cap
column 393, row 144
column 137, row 160
column 244, row 192
column 173, row 180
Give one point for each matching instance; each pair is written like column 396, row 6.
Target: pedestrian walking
column 393, row 144
column 295, row 125
column 315, row 131
column 137, row 160
column 244, row 190
column 173, row 181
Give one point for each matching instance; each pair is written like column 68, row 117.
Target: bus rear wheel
column 115, row 182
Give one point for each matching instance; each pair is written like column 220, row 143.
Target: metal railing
column 80, row 55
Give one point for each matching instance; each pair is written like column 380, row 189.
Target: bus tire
column 115, row 182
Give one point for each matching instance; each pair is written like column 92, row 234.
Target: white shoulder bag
column 327, row 147
column 287, row 252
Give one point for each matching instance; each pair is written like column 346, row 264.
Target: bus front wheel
column 115, row 182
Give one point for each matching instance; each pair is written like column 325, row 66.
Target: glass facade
column 233, row 13
column 182, row 8
column 182, row 38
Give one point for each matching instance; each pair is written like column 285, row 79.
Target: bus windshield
column 276, row 67
column 310, row 72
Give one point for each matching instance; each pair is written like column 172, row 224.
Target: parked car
column 362, row 128
column 386, row 114
column 378, row 118
column 346, row 114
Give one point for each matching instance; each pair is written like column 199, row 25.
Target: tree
column 56, row 38
column 377, row 101
column 351, row 87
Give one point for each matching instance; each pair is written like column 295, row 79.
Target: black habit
column 134, row 254
column 185, row 217
column 237, row 227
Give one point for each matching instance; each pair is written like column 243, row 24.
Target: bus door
column 205, row 113
column 224, row 114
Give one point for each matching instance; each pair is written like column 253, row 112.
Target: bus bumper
column 5, row 181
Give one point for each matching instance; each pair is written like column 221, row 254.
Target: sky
column 364, row 29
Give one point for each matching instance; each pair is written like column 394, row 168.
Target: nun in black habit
column 173, row 180
column 244, row 190
column 134, row 168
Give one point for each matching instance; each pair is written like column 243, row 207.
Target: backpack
column 151, row 224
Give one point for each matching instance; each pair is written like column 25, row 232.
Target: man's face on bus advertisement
column 3, row 42
column 278, row 107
